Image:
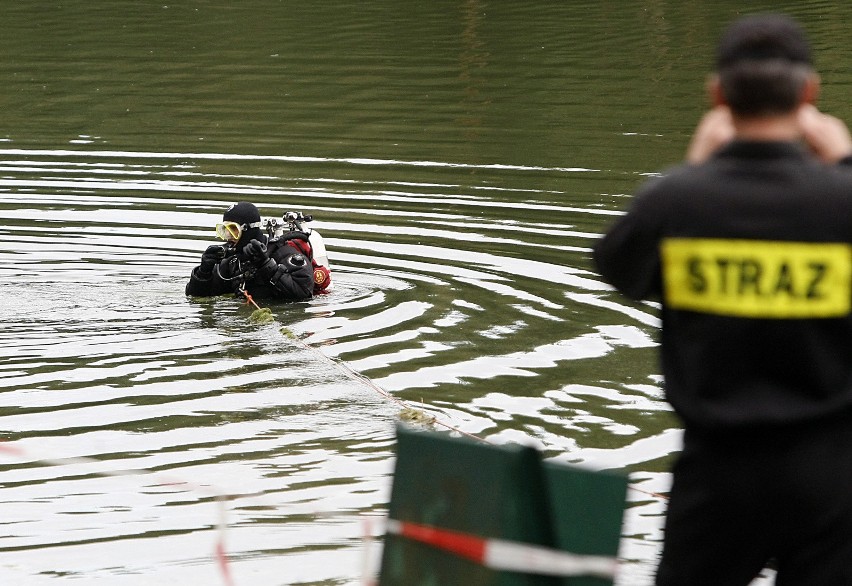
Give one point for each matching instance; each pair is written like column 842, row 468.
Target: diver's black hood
column 242, row 213
column 245, row 213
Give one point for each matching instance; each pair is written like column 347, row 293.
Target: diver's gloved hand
column 210, row 258
column 255, row 252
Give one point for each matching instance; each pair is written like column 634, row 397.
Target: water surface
column 460, row 159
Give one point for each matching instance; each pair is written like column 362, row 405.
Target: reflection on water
column 437, row 297
column 459, row 159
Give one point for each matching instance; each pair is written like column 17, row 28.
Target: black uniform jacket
column 751, row 256
column 284, row 279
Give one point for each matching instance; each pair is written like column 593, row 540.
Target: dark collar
column 762, row 150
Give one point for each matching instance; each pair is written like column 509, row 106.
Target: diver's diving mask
column 231, row 231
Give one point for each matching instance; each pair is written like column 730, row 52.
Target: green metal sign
column 469, row 494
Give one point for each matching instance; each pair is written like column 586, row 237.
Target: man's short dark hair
column 763, row 63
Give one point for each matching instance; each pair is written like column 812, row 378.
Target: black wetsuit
column 290, row 277
column 751, row 256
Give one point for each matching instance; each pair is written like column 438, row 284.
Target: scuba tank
column 291, row 227
column 318, row 248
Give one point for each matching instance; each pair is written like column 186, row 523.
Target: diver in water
column 280, row 267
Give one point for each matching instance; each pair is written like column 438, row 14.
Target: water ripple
column 470, row 298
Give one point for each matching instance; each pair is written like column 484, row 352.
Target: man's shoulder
column 842, row 170
column 671, row 179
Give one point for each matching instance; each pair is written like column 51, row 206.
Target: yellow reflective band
column 757, row 278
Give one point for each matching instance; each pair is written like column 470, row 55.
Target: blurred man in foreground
column 749, row 248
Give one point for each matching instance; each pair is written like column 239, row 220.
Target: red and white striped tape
column 512, row 556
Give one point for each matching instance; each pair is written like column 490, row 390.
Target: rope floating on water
column 407, row 412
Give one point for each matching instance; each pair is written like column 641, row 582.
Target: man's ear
column 810, row 92
column 714, row 91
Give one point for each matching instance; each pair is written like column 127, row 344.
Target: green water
column 460, row 159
